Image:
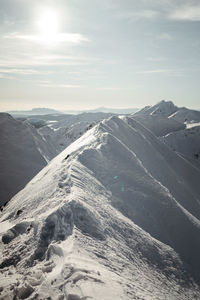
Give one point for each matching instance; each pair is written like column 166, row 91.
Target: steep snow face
column 158, row 124
column 186, row 142
column 64, row 136
column 114, row 216
column 163, row 108
column 23, row 153
column 61, row 131
column 186, row 115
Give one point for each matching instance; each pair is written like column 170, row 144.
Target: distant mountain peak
column 35, row 111
column 164, row 108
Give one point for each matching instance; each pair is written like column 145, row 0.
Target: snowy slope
column 66, row 120
column 65, row 129
column 158, row 124
column 186, row 142
column 162, row 108
column 186, row 115
column 25, row 150
column 84, row 117
column 64, row 136
column 23, row 153
column 114, row 216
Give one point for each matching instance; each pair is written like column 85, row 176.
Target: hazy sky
column 76, row 54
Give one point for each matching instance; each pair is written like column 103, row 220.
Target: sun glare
column 48, row 26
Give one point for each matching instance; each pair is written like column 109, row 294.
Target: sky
column 83, row 54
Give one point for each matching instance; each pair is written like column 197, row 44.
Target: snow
column 190, row 125
column 68, row 120
column 169, row 110
column 186, row 142
column 25, row 150
column 162, row 108
column 159, row 125
column 62, row 137
column 186, row 115
column 113, row 216
column 5, row 225
column 23, row 153
column 66, row 129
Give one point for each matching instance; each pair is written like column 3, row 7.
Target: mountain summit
column 164, row 108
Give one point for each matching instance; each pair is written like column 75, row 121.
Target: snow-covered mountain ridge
column 171, row 111
column 114, row 216
column 174, row 127
column 25, row 150
column 164, row 108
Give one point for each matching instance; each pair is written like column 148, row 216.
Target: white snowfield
column 114, row 216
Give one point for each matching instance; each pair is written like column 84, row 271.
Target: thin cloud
column 186, row 13
column 57, row 57
column 113, row 88
column 153, row 71
column 160, row 71
column 3, row 76
column 73, row 38
column 164, row 36
column 31, row 60
column 137, row 15
column 165, row 9
column 157, row 58
column 22, row 71
column 57, row 85
column 109, row 88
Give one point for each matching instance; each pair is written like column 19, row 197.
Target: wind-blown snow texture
column 114, row 216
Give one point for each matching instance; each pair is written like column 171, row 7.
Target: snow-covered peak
column 164, row 108
column 167, row 109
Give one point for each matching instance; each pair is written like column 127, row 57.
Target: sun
column 49, row 26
